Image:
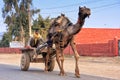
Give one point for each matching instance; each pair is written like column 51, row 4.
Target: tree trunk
column 22, row 35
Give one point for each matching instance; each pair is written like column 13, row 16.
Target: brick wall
column 96, row 35
column 94, row 49
column 10, row 50
column 109, row 48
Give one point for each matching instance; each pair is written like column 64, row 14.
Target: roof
column 96, row 35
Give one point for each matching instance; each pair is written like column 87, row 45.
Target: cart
column 28, row 57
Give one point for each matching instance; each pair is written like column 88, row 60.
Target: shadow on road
column 11, row 72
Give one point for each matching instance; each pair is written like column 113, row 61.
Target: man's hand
column 28, row 47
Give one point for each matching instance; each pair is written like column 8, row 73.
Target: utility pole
column 29, row 19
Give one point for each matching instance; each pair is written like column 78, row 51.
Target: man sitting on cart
column 35, row 40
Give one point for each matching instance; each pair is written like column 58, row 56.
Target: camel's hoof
column 77, row 75
column 62, row 74
column 46, row 71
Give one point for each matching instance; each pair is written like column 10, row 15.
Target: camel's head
column 84, row 12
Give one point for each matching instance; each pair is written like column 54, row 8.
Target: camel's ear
column 84, row 6
column 62, row 14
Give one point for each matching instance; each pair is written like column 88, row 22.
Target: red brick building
column 96, row 35
column 97, row 42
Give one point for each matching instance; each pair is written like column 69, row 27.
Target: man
column 35, row 40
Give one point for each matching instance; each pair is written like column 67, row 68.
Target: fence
column 10, row 50
column 109, row 48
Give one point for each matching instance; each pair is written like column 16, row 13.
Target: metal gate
column 119, row 47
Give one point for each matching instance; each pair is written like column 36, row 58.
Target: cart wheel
column 51, row 65
column 25, row 62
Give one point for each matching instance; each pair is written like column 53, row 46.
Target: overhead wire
column 70, row 5
column 103, row 5
column 93, row 8
column 106, row 5
column 104, row 8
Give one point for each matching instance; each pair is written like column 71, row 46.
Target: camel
column 64, row 35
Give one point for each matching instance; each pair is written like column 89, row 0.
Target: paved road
column 11, row 72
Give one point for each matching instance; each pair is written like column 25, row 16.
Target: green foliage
column 5, row 40
column 15, row 13
column 42, row 24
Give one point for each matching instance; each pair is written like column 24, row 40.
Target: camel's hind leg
column 47, row 58
column 76, row 55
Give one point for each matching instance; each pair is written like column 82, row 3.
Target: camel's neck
column 76, row 27
column 80, row 20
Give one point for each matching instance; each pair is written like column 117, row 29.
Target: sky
column 104, row 13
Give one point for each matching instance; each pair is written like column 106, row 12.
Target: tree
column 15, row 13
column 5, row 40
column 42, row 24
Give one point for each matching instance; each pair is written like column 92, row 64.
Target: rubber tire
column 51, row 65
column 25, row 62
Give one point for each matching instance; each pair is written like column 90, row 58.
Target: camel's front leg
column 76, row 55
column 60, row 60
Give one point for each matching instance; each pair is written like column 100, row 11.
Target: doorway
column 119, row 47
